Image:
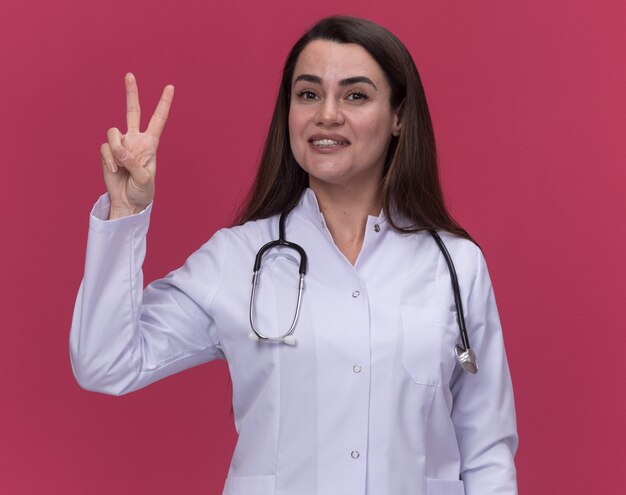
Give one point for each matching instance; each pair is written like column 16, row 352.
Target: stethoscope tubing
column 287, row 336
column 455, row 289
column 464, row 355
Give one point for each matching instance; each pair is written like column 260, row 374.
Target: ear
column 397, row 121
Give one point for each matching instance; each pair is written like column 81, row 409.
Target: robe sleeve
column 483, row 410
column 124, row 337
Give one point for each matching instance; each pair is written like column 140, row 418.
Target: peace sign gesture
column 129, row 160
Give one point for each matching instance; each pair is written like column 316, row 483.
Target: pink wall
column 528, row 100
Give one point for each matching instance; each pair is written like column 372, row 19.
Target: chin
column 336, row 179
column 330, row 175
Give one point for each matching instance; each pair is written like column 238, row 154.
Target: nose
column 329, row 113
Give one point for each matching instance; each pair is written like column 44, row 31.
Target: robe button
column 376, row 228
column 357, row 368
column 356, row 294
column 355, row 454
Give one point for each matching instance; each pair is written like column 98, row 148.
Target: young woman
column 361, row 387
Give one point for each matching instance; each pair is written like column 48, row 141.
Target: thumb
column 129, row 161
column 123, row 156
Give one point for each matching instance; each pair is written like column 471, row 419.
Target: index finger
column 133, row 112
column 159, row 117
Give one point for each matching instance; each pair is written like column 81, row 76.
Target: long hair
column 410, row 184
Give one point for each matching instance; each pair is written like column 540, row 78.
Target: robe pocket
column 250, row 485
column 428, row 339
column 435, row 486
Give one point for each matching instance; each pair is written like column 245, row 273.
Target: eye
column 306, row 95
column 357, row 96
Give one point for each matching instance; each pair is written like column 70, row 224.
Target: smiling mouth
column 328, row 143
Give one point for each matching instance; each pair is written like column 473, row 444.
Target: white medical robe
column 369, row 401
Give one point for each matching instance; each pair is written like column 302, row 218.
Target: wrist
column 123, row 211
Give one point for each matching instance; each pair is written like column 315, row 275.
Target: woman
column 369, row 399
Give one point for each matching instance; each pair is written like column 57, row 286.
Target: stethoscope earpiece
column 289, row 339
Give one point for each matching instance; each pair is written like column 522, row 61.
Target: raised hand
column 129, row 160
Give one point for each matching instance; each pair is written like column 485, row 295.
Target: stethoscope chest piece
column 466, row 359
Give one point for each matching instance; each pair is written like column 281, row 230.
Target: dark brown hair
column 410, row 184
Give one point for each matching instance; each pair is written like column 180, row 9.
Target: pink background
column 528, row 105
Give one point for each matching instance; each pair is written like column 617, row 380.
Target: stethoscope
column 464, row 355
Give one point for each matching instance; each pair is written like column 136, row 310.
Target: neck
column 345, row 211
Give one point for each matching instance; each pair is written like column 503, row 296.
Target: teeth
column 327, row 142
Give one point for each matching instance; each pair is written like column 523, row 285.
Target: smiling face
column 340, row 117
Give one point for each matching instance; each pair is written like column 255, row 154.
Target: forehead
column 335, row 61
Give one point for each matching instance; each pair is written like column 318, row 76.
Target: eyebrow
column 344, row 82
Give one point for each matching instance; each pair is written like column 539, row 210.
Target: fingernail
column 112, row 167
